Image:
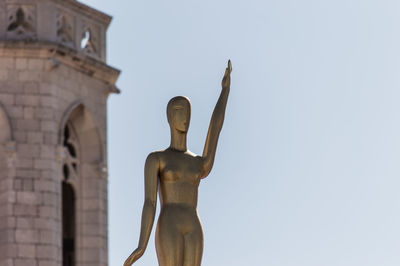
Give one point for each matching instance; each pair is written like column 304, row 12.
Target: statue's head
column 178, row 113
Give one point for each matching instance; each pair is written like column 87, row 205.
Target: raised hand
column 217, row 120
column 226, row 81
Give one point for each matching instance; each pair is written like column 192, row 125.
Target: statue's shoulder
column 156, row 156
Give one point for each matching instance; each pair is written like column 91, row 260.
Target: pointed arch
column 85, row 126
column 83, row 183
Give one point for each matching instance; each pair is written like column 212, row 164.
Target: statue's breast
column 181, row 170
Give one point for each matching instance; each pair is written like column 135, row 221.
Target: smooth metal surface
column 176, row 173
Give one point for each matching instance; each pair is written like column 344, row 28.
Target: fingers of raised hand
column 226, row 73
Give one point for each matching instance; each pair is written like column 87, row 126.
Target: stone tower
column 54, row 85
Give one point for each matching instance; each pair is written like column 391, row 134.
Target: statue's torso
column 179, row 174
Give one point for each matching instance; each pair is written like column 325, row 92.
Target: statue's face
column 178, row 112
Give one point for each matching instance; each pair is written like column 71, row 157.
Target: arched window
column 70, row 143
column 68, row 224
column 84, row 188
column 70, row 170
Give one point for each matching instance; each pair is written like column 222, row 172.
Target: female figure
column 176, row 173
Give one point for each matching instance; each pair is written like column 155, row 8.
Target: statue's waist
column 190, row 206
column 179, row 194
column 179, row 213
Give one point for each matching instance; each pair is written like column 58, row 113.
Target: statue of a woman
column 176, row 173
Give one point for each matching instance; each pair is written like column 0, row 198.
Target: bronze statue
column 176, row 173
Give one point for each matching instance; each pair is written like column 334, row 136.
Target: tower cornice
column 86, row 10
column 57, row 54
column 66, row 22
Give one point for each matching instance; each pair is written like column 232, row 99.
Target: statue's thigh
column 193, row 248
column 169, row 246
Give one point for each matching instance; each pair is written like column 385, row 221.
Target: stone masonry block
column 25, row 262
column 91, row 255
column 47, row 151
column 49, row 198
column 7, row 99
column 16, row 111
column 50, row 174
column 48, row 211
column 44, row 223
column 92, row 229
column 91, row 204
column 7, row 197
column 35, row 137
column 27, row 184
column 28, row 150
column 35, row 64
column 47, row 88
column 92, row 242
column 45, row 164
column 27, row 100
column 29, row 112
column 27, row 174
column 26, row 250
column 25, row 222
column 7, row 63
column 29, row 75
column 7, row 261
column 50, row 138
column 45, row 185
column 27, row 124
column 18, row 184
column 26, row 236
column 20, row 136
column 28, row 197
column 44, row 113
column 7, row 235
column 6, row 210
column 31, row 88
column 26, row 163
column 21, row 63
column 25, row 210
column 7, row 222
column 46, row 252
column 48, row 237
column 9, row 250
column 3, row 74
column 11, row 85
column 48, row 101
column 48, row 126
column 6, row 184
column 47, row 262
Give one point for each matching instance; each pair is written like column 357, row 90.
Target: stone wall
column 53, row 75
column 38, row 101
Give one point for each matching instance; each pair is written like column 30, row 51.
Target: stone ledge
column 86, row 10
column 60, row 54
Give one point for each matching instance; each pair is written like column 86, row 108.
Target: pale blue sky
column 307, row 171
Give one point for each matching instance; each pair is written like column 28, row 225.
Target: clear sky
column 307, row 170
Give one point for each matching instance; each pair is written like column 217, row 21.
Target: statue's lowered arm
column 149, row 207
column 216, row 123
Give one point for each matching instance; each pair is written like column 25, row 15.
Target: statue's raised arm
column 217, row 120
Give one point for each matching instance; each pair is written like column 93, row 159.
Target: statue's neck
column 178, row 140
